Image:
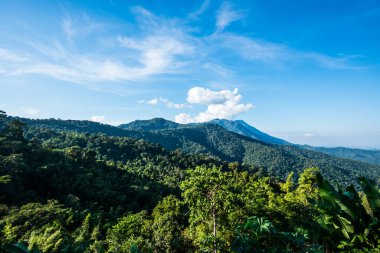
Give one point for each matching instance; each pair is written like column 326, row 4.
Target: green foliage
column 130, row 232
column 216, row 141
column 260, row 235
column 207, row 195
column 168, row 224
column 19, row 248
column 345, row 218
column 71, row 191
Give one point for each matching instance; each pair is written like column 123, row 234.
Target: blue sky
column 305, row 71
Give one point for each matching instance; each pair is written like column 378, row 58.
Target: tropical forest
column 193, row 126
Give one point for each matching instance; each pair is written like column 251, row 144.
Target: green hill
column 152, row 124
column 216, row 141
column 241, row 127
column 76, row 189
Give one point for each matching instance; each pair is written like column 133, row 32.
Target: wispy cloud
column 222, row 104
column 278, row 54
column 67, row 27
column 142, row 56
column 154, row 46
column 158, row 54
column 226, row 15
column 195, row 15
column 11, row 57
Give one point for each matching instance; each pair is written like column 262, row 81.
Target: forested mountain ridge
column 241, row 127
column 216, row 141
column 152, row 124
column 275, row 159
column 71, row 191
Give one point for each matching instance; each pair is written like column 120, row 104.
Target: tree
column 131, row 232
column 206, row 193
column 168, row 223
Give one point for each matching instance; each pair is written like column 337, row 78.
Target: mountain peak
column 243, row 128
column 150, row 124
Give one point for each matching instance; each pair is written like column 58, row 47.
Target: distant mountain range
column 236, row 126
column 241, row 127
column 219, row 142
column 369, row 156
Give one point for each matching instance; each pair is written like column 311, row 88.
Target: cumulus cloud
column 165, row 101
column 200, row 95
column 184, row 118
column 223, row 104
column 97, row 118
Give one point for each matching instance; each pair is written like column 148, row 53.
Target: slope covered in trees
column 216, row 141
column 274, row 159
column 76, row 192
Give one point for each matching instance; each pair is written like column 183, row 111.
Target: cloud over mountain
column 223, row 104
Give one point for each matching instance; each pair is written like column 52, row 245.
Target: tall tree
column 207, row 195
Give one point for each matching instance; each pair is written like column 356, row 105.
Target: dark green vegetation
column 153, row 124
column 241, row 127
column 71, row 191
column 215, row 141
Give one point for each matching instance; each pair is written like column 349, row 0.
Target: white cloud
column 11, row 57
column 277, row 54
column 158, row 53
column 153, row 101
column 165, row 101
column 174, row 105
column 67, row 27
column 184, row 118
column 226, row 15
column 200, row 95
column 156, row 46
column 31, row 111
column 159, row 47
column 224, row 104
column 97, row 118
column 308, row 135
column 195, row 15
